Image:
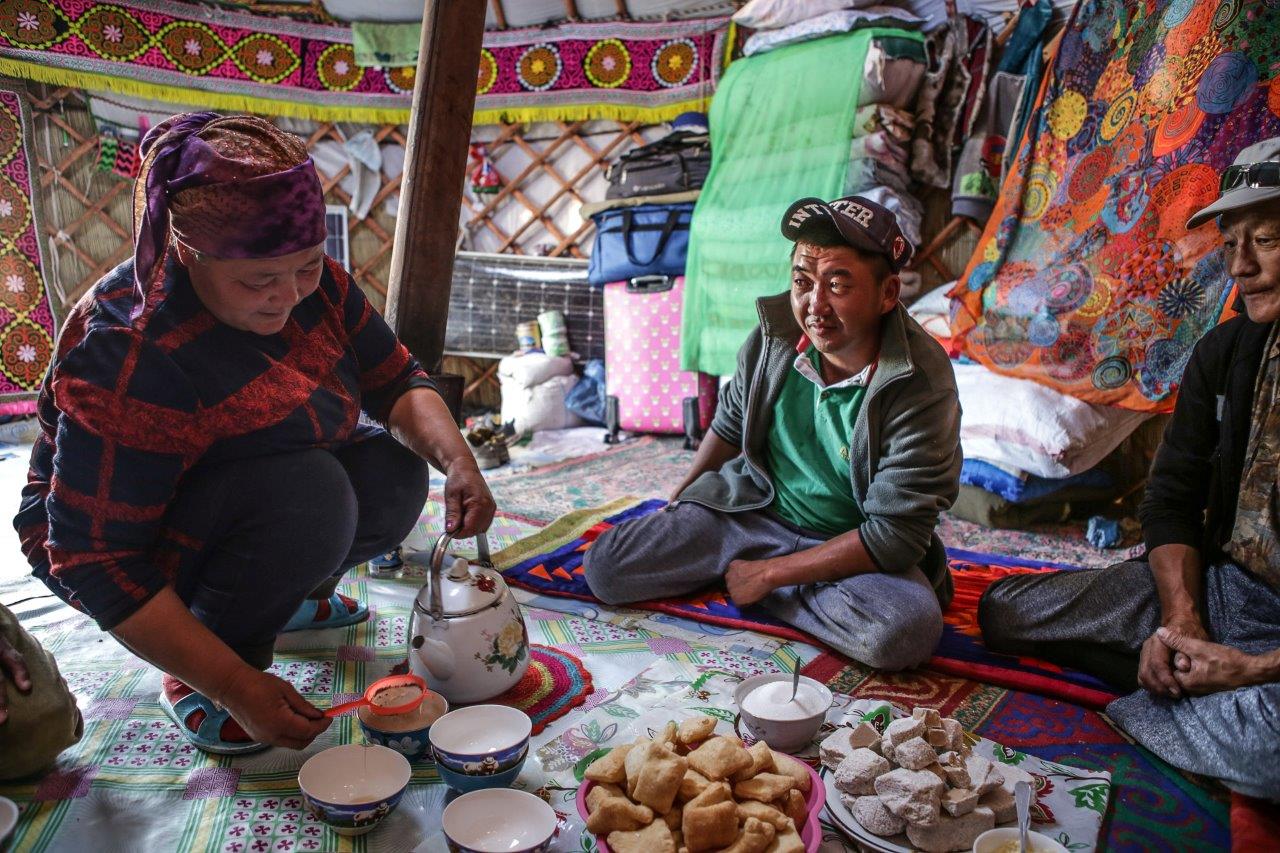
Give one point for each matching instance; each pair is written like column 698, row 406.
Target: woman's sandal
column 207, row 735
column 336, row 611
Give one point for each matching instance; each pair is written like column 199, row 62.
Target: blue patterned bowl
column 499, row 821
column 466, row 782
column 351, row 788
column 481, row 740
column 414, row 744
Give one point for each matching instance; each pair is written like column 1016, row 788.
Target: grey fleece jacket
column 905, row 459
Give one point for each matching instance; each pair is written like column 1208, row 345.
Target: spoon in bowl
column 1022, row 799
column 795, row 680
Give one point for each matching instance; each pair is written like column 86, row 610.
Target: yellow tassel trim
column 200, row 97
column 321, row 112
column 590, row 112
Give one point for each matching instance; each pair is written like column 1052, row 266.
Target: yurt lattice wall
column 546, row 171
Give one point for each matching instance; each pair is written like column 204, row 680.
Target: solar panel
column 493, row 293
column 335, row 234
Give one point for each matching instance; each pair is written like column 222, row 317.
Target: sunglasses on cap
column 1265, row 174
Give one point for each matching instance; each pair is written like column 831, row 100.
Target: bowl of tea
column 406, row 733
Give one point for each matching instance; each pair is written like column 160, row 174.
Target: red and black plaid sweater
column 129, row 406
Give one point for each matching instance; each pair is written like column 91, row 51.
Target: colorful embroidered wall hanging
column 26, row 318
column 234, row 61
column 1086, row 278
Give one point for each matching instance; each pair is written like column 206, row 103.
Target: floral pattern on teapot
column 507, row 648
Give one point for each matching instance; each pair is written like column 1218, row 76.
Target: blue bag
column 586, row 399
column 648, row 239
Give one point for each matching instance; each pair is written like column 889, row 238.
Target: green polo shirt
column 808, row 449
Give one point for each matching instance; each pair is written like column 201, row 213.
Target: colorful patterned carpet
column 650, row 467
column 550, row 562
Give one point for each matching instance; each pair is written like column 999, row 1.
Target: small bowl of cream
column 1004, row 839
column 771, row 715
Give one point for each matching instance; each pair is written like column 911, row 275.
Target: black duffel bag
column 676, row 163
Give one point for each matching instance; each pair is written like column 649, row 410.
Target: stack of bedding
column 1032, row 454
column 783, row 122
column 885, row 121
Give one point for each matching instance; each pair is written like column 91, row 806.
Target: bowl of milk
column 769, row 713
column 351, row 788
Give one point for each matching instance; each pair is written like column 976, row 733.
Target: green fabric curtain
column 781, row 126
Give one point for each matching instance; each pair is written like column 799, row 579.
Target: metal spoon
column 1022, row 799
column 795, row 680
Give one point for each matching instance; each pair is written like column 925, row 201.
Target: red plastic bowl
column 811, row 834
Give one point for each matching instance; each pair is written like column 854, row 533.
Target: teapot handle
column 437, row 565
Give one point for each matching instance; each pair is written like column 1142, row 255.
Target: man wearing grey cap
column 833, row 451
column 1195, row 624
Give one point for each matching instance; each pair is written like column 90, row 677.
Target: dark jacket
column 131, row 404
column 1195, row 478
column 905, row 468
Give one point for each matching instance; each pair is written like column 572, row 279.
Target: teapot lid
column 464, row 589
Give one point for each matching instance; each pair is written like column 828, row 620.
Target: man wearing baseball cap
column 834, row 448
column 1193, row 628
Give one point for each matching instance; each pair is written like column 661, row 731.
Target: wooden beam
column 571, row 10
column 444, row 97
column 499, row 14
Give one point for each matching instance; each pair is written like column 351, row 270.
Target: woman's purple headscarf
column 234, row 187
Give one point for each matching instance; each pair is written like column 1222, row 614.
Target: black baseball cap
column 865, row 225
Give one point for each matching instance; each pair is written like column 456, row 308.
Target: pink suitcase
column 647, row 391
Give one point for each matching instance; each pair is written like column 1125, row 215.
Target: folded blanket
column 386, row 45
column 776, row 14
column 832, row 23
column 1030, row 427
column 1025, row 488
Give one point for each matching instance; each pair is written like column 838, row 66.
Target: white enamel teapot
column 467, row 639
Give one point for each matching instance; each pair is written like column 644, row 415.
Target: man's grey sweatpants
column 1233, row 735
column 887, row 621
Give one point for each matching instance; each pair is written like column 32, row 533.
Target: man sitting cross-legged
column 834, row 449
column 1196, row 622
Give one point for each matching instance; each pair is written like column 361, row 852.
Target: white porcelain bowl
column 480, row 740
column 351, row 788
column 8, row 817
column 993, row 839
column 782, row 735
column 498, row 820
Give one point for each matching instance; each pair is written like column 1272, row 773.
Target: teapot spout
column 436, row 656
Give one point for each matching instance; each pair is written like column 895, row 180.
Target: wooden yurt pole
column 444, row 96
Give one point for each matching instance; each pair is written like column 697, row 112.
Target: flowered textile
column 132, row 783
column 1086, row 279
column 235, row 61
column 26, row 319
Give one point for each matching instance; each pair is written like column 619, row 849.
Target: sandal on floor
column 335, row 611
column 208, row 735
